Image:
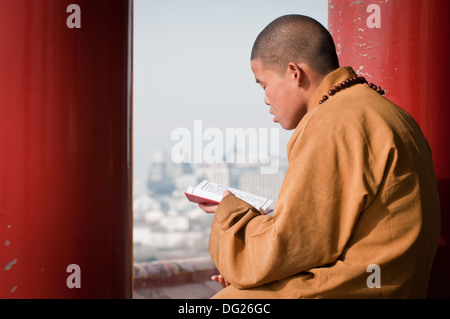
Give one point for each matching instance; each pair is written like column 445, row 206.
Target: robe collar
column 330, row 80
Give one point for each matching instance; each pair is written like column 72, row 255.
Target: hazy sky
column 192, row 62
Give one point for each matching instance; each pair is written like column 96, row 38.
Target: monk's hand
column 211, row 208
column 208, row 208
column 222, row 281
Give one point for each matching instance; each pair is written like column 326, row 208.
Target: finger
column 225, row 193
column 208, row 208
column 221, row 281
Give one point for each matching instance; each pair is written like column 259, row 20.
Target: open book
column 211, row 193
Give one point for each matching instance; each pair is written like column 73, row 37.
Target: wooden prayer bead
column 349, row 82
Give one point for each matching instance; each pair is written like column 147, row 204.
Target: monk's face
column 282, row 93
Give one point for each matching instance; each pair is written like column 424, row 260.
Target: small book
column 211, row 193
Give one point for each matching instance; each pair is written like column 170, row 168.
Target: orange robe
column 360, row 191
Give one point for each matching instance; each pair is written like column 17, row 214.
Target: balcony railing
column 188, row 278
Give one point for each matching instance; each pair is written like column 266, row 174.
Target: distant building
column 144, row 203
column 217, row 173
column 267, row 185
column 139, row 187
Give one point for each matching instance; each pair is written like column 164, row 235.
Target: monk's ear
column 294, row 72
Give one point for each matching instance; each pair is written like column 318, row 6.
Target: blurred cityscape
column 166, row 224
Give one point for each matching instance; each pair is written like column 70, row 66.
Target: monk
column 358, row 212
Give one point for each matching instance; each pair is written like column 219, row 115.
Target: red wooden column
column 65, row 149
column 403, row 46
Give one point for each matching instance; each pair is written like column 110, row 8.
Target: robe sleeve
column 332, row 177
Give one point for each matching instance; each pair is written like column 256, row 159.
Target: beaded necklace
column 349, row 82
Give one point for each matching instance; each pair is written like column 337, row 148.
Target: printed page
column 209, row 187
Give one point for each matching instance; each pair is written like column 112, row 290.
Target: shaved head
column 298, row 39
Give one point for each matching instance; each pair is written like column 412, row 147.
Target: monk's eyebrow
column 258, row 81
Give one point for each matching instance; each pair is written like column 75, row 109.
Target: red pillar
column 65, row 149
column 403, row 46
